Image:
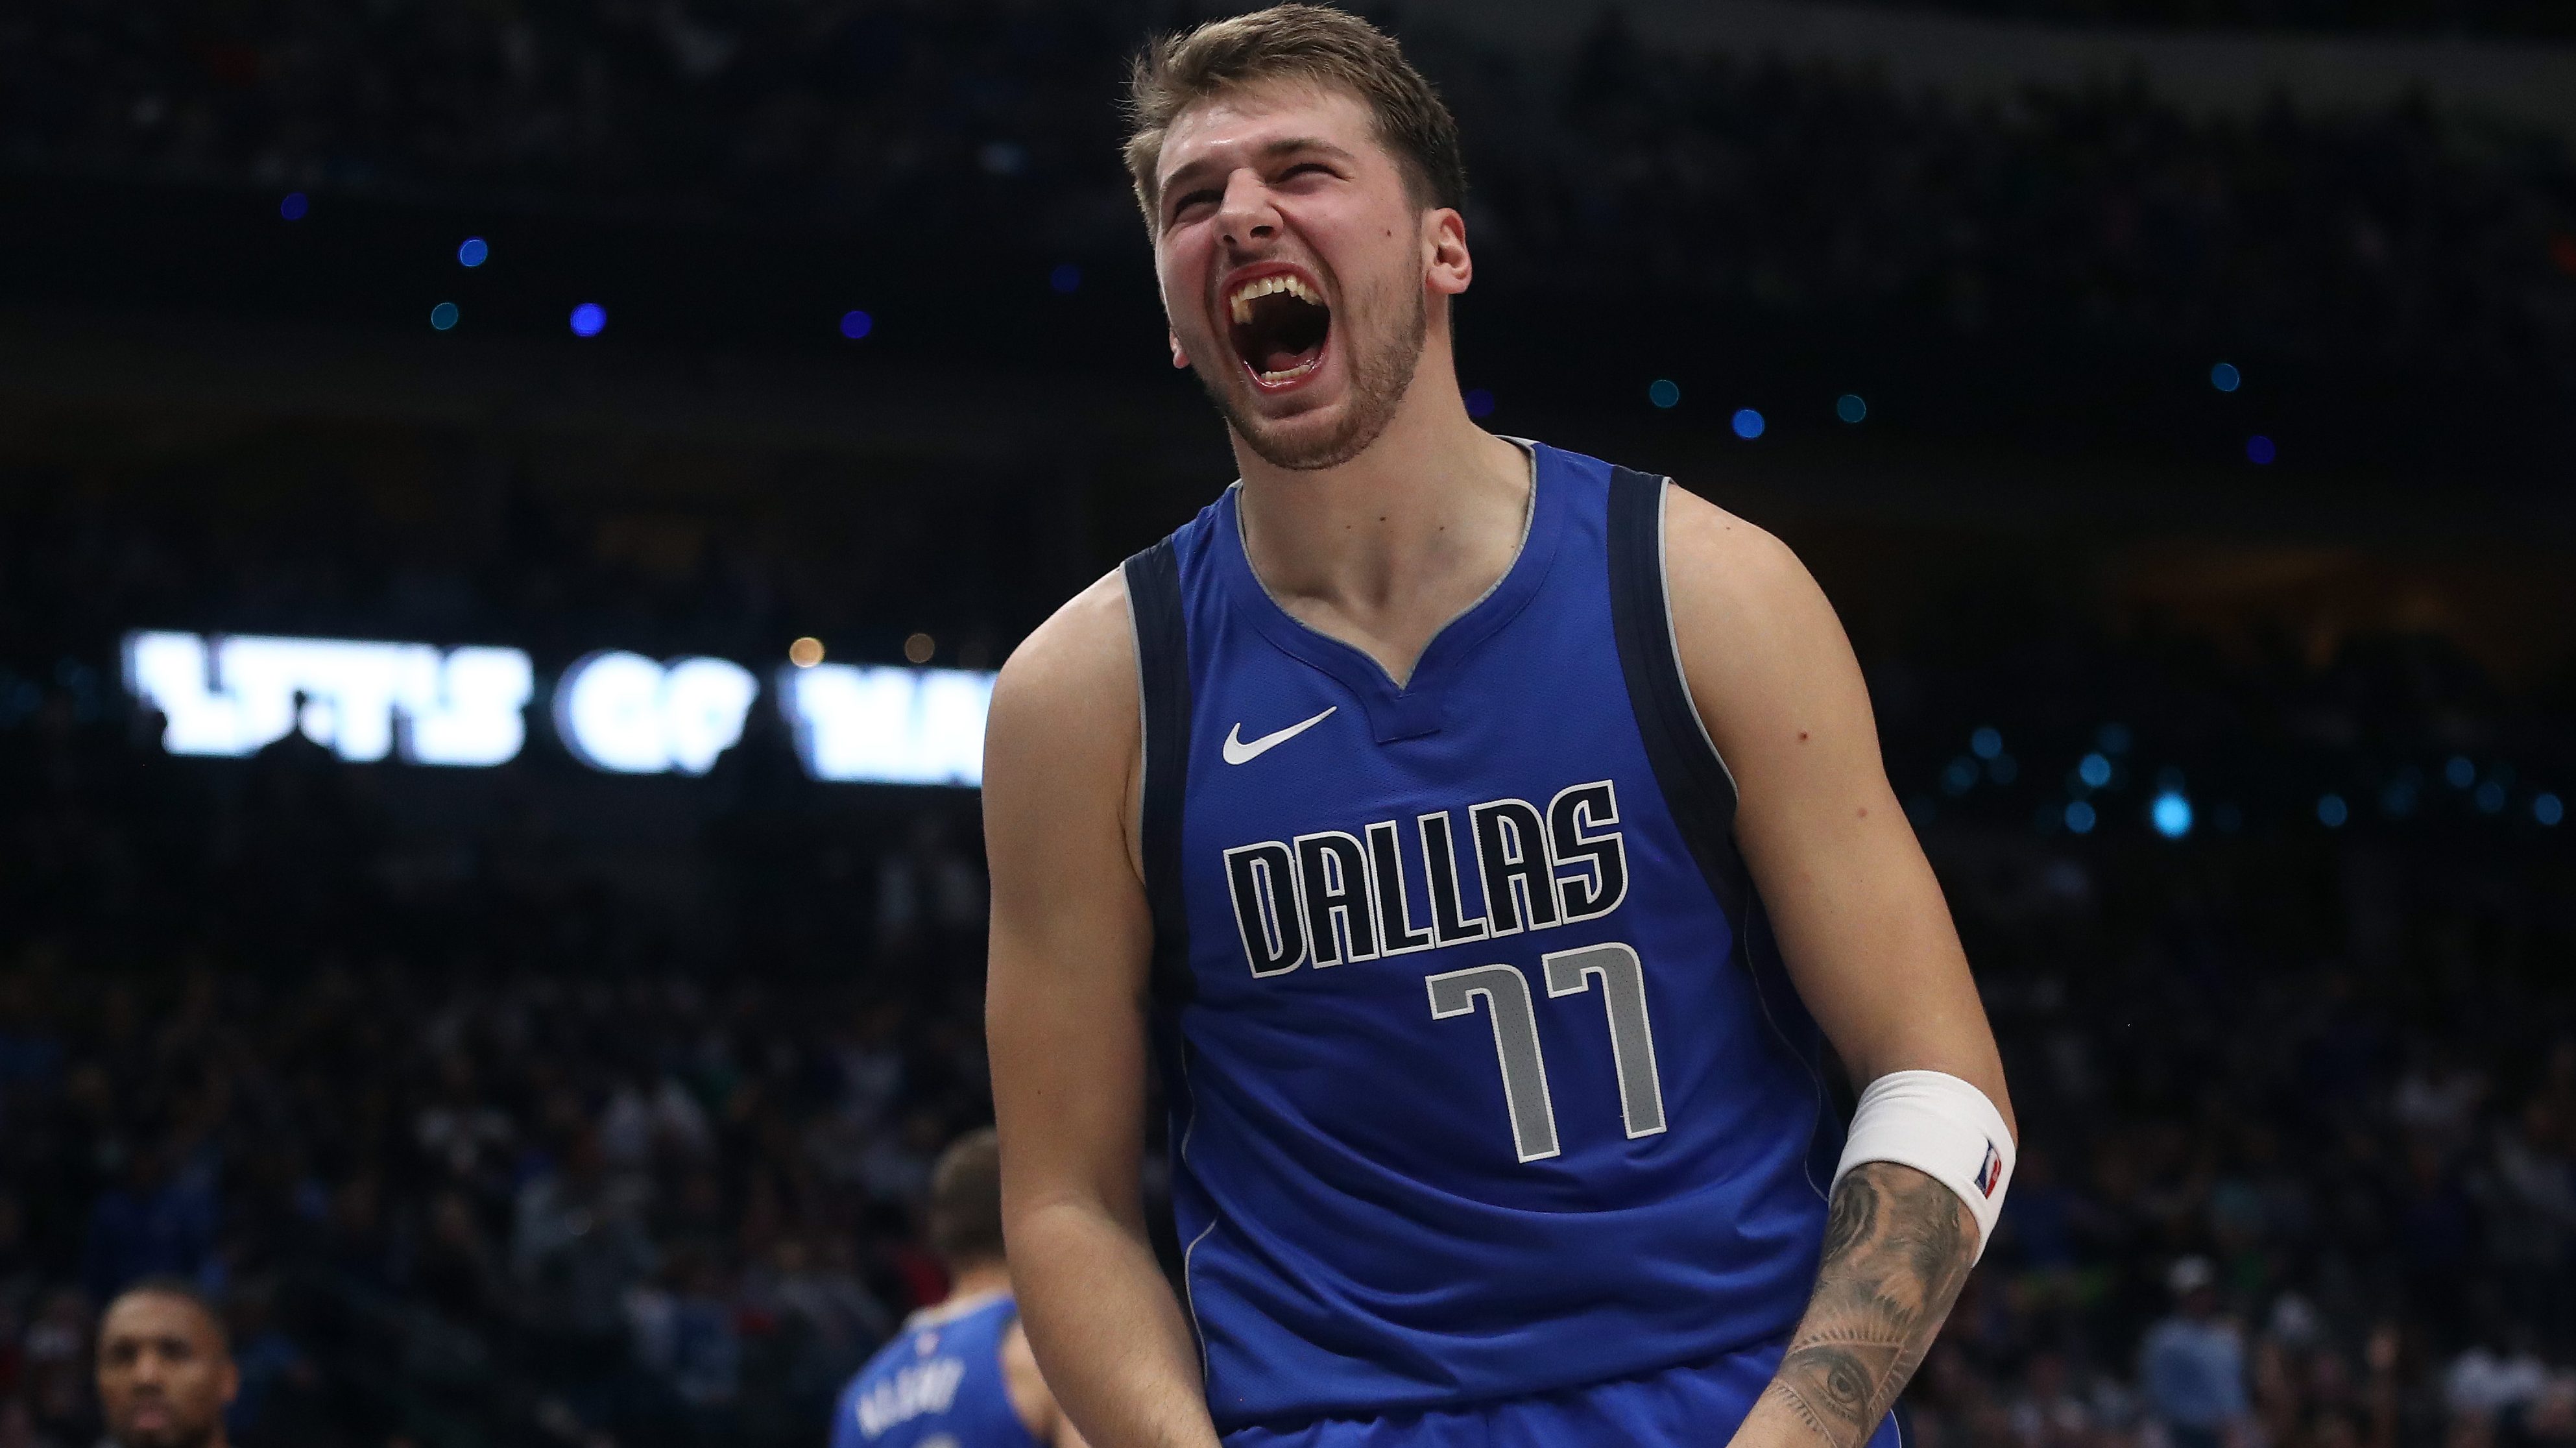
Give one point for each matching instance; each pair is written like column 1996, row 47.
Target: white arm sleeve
column 1940, row 1126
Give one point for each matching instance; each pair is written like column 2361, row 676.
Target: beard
column 1379, row 378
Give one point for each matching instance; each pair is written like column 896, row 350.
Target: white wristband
column 1940, row 1126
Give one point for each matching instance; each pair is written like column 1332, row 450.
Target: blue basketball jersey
column 1484, row 1078
column 939, row 1384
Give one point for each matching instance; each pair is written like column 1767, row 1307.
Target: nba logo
column 1990, row 1175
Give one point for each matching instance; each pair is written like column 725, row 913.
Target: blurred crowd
column 1624, row 166
column 2410, row 17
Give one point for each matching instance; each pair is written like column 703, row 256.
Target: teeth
column 1240, row 304
column 1273, row 379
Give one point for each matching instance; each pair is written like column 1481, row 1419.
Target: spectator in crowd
column 165, row 1368
column 2193, row 1365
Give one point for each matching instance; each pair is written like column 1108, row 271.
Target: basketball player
column 1488, row 843
column 959, row 1375
column 165, row 1371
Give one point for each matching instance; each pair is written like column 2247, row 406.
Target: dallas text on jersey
column 1331, row 896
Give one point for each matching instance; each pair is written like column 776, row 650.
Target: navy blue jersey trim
column 1163, row 673
column 1697, row 789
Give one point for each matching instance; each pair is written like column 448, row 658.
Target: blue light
column 2459, row 771
column 589, row 319
column 2546, row 808
column 1959, row 777
column 1986, row 743
column 2225, row 377
column 1065, row 278
column 2094, row 770
column 1747, row 423
column 1480, row 403
column 2490, row 797
column 443, row 316
column 1664, row 392
column 2171, row 815
column 474, row 252
column 293, row 206
column 2332, row 811
column 2259, row 450
column 855, row 325
column 1850, row 408
column 2079, row 817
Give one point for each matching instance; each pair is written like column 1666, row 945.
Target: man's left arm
column 1868, row 942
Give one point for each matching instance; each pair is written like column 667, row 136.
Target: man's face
column 1293, row 264
column 163, row 1374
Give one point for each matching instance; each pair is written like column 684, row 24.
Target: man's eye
column 1304, row 167
column 1192, row 202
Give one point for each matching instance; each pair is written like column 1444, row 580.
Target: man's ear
column 1447, row 267
column 1179, row 357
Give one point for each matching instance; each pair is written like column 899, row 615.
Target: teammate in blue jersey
column 1490, row 850
column 959, row 1375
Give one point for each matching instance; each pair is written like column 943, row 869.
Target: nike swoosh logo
column 1238, row 752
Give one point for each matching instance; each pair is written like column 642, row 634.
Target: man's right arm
column 1065, row 1015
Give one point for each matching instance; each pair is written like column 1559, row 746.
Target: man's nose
column 1246, row 217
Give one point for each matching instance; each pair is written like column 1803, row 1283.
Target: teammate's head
column 966, row 1202
column 165, row 1369
column 1294, row 153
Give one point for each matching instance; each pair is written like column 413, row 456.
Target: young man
column 959, row 1375
column 1487, row 841
column 165, row 1370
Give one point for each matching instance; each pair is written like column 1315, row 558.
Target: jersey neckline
column 1414, row 708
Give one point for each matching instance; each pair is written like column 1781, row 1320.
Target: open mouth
column 1279, row 327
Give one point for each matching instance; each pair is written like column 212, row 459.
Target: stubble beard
column 1379, row 379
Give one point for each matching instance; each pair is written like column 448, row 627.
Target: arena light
column 887, row 725
column 623, row 713
column 234, row 694
column 2171, row 815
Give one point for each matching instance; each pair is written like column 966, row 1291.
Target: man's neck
column 1385, row 548
column 980, row 1279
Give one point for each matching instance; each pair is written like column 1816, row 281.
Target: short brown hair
column 1295, row 42
column 966, row 1200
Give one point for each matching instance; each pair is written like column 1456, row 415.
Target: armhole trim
column 1698, row 788
column 1673, row 638
column 1163, row 701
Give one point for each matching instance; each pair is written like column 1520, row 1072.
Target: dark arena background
column 508, row 512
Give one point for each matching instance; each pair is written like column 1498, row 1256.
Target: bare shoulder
column 1078, row 666
column 1762, row 651
column 1062, row 742
column 1716, row 561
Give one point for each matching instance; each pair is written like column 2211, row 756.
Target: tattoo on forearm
column 1897, row 1246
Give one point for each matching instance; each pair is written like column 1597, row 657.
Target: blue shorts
column 1699, row 1405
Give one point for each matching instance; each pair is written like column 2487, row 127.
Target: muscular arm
column 1065, row 1015
column 1867, row 940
